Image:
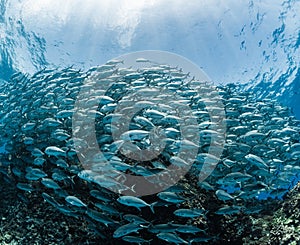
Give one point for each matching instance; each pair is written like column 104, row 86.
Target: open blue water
column 254, row 42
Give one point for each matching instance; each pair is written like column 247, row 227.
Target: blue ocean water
column 250, row 42
column 254, row 44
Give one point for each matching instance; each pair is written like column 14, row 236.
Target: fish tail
column 152, row 207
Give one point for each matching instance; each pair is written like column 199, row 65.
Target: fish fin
column 132, row 188
column 149, row 241
column 152, row 207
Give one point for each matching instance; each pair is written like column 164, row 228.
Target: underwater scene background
column 149, row 122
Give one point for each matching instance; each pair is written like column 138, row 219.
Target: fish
column 37, row 172
column 54, row 151
column 127, row 229
column 49, row 183
column 171, row 197
column 39, row 161
column 50, row 199
column 135, row 239
column 28, row 126
column 132, row 201
column 135, row 219
column 37, row 152
column 171, row 238
column 205, row 185
column 100, row 196
column 141, row 60
column 189, row 229
column 75, row 201
column 202, row 239
column 100, row 217
column 16, row 171
column 61, row 163
column 134, row 135
column 32, row 177
column 114, row 62
column 257, row 161
column 158, row 228
column 223, row 195
column 25, row 187
column 189, row 213
column 109, row 209
column 177, row 161
column 237, row 176
column 229, row 210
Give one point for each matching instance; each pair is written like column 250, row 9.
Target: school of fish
column 259, row 162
